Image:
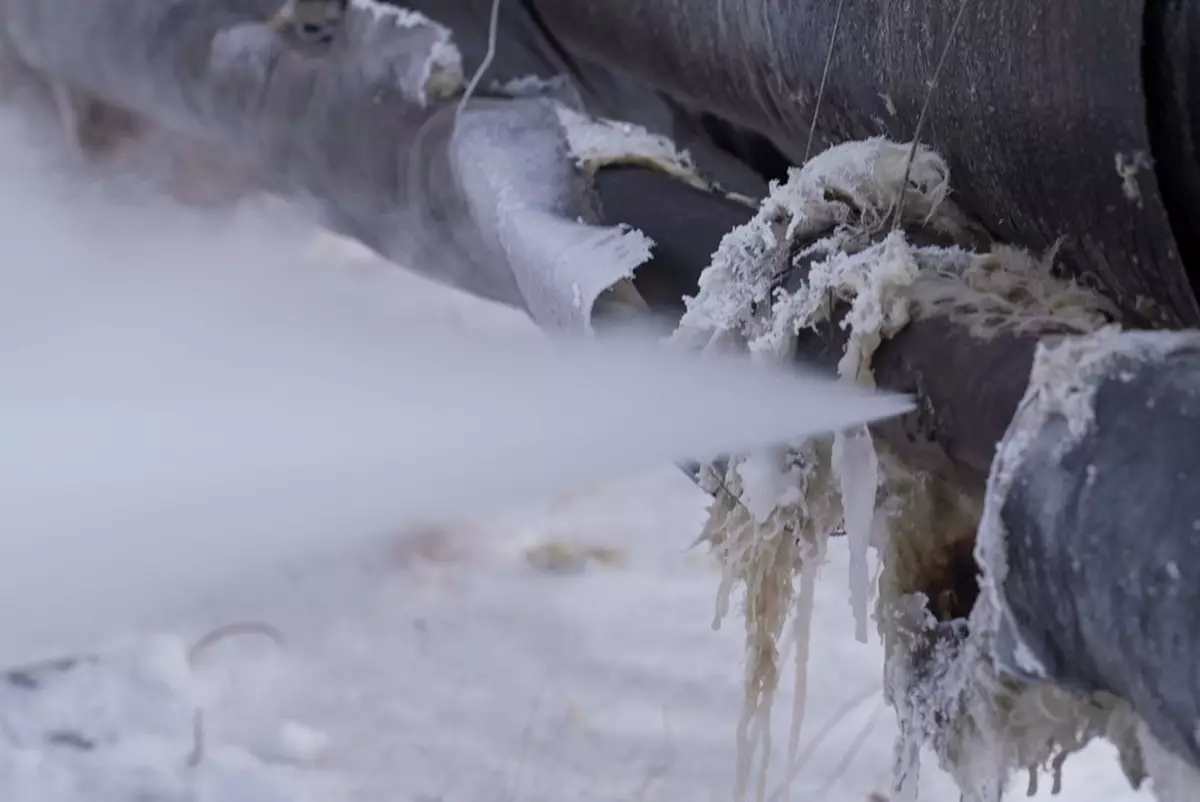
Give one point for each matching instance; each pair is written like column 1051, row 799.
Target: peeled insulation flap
column 523, row 190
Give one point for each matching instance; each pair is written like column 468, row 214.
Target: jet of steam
column 187, row 402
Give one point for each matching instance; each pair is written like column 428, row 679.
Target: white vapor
column 187, row 401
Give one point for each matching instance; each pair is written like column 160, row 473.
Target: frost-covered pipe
column 1090, row 545
column 369, row 133
column 340, row 131
column 1059, row 119
column 1091, row 542
column 1066, row 119
column 354, row 132
column 969, row 387
column 1102, row 522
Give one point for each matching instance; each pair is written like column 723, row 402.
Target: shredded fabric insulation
column 774, row 513
column 597, row 142
column 830, row 208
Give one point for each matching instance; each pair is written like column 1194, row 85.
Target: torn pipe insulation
column 501, row 201
column 967, row 369
column 330, row 128
column 341, row 132
column 978, row 309
column 1084, row 626
column 527, row 54
column 1061, row 120
column 774, row 512
column 813, row 267
column 496, row 198
column 812, row 276
column 1091, row 541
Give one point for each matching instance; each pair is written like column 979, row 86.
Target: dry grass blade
column 843, row 766
column 847, row 707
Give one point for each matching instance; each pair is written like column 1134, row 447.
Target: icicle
column 802, row 619
column 857, row 467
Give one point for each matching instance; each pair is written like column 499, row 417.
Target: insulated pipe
column 1064, row 119
column 1099, row 533
column 356, row 134
column 1095, row 542
column 968, row 388
column 1127, row 531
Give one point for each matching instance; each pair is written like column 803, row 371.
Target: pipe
column 1051, row 123
column 1099, row 528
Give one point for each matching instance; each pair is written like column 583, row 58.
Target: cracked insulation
column 831, row 219
column 830, row 210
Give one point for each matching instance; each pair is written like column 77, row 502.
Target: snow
column 1173, row 779
column 768, row 483
column 472, row 675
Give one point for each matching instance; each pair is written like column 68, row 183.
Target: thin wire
column 493, row 36
column 812, row 129
column 937, row 73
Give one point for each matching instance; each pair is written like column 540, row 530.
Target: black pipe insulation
column 1069, row 120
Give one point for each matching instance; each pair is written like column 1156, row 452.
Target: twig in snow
column 196, row 756
column 231, row 630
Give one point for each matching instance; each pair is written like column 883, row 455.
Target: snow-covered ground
column 475, row 663
column 561, row 651
column 564, row 651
